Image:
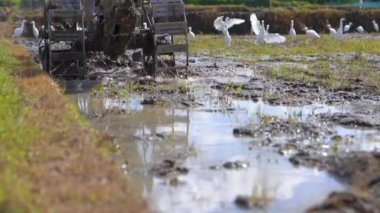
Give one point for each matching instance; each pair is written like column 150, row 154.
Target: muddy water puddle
column 212, row 165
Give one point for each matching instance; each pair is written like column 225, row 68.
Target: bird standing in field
column 292, row 31
column 347, row 27
column 263, row 26
column 340, row 31
column 18, row 31
column 145, row 26
column 35, row 30
column 360, row 29
column 223, row 26
column 375, row 26
column 311, row 33
column 332, row 30
column 190, row 33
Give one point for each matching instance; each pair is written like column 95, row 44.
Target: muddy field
column 237, row 135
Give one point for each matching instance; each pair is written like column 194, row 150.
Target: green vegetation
column 268, row 2
column 9, row 2
column 229, row 2
column 333, row 74
column 329, row 70
column 373, row 79
column 40, row 129
column 15, row 135
column 213, row 45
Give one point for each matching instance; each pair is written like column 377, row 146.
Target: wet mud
column 229, row 138
column 294, row 93
column 291, row 125
column 357, row 169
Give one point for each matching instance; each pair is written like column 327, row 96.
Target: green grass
column 213, row 45
column 15, row 135
column 329, row 71
column 9, row 2
column 374, row 80
column 317, row 72
column 331, row 74
column 40, row 126
column 265, row 3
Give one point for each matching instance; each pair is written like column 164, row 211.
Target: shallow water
column 201, row 137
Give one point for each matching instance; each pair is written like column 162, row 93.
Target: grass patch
column 330, row 71
column 374, row 80
column 332, row 74
column 49, row 160
column 213, row 45
column 15, row 135
column 288, row 73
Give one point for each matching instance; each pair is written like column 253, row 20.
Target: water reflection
column 149, row 134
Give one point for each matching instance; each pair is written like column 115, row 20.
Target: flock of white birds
column 262, row 35
column 19, row 30
column 259, row 29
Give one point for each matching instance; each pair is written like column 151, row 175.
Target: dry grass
column 61, row 169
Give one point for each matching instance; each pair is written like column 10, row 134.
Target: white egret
column 52, row 28
column 145, row 26
column 18, row 31
column 223, row 26
column 311, row 33
column 190, row 33
column 262, row 34
column 347, row 27
column 35, row 30
column 274, row 38
column 360, row 29
column 79, row 28
column 255, row 24
column 261, row 37
column 339, row 32
column 292, row 31
column 375, row 26
column 332, row 30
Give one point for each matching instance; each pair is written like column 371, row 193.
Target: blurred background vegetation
column 9, row 2
column 253, row 3
column 281, row 3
